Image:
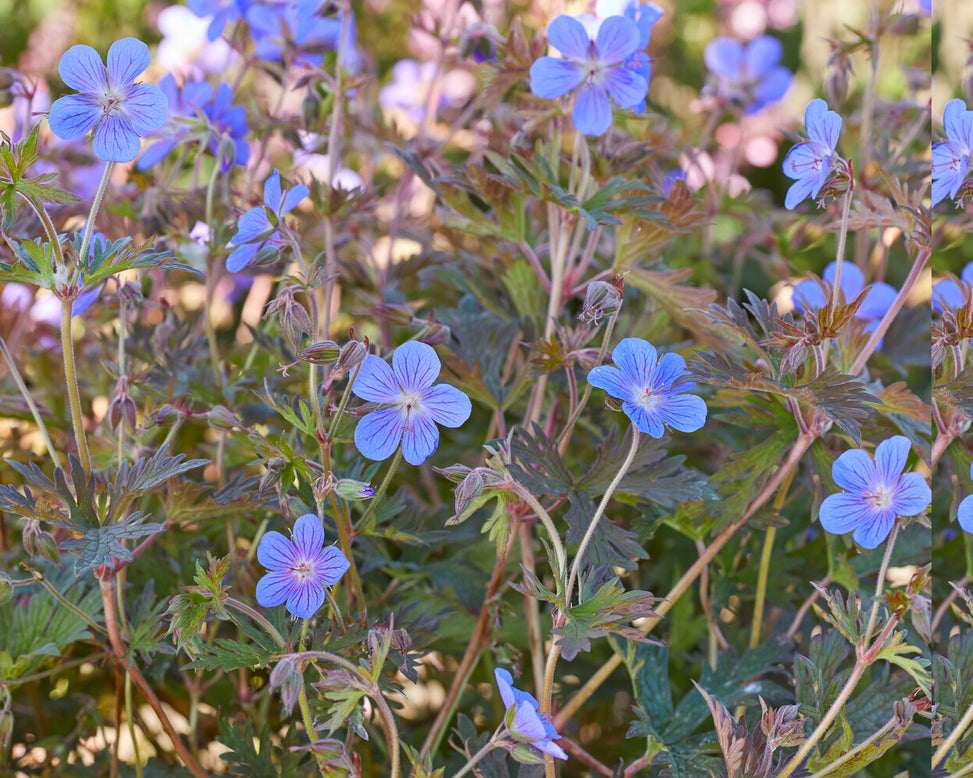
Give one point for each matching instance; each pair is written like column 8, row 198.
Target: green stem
column 71, row 380
column 589, row 533
column 345, row 396
column 120, row 450
column 490, row 745
column 381, row 489
column 258, row 617
column 560, row 557
column 208, row 325
column 19, row 381
column 844, row 758
column 842, row 237
column 880, row 584
column 95, row 207
column 764, row 572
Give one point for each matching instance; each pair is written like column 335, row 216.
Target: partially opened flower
column 300, row 568
column 964, row 514
column 810, row 162
column 118, row 110
column 416, row 406
column 876, row 491
column 255, row 228
column 526, row 723
column 750, row 75
column 595, row 68
column 645, row 386
column 951, row 158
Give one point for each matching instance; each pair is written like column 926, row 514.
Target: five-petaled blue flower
column 596, row 68
column 645, row 15
column 416, row 405
column 526, row 723
column 949, row 294
column 110, row 103
column 810, row 162
column 809, row 296
column 645, row 386
column 964, row 514
column 951, row 158
column 875, row 492
column 255, row 229
column 750, row 75
column 300, row 568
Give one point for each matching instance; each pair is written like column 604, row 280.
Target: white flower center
column 111, row 101
column 410, row 403
column 881, row 498
column 303, row 571
column 649, row 399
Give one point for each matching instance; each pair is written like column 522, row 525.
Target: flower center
column 649, row 399
column 410, row 403
column 881, row 498
column 111, row 101
column 302, row 571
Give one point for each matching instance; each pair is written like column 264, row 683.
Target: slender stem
column 49, row 228
column 805, row 607
column 880, row 584
column 763, row 574
column 381, row 489
column 890, row 314
column 842, row 237
column 19, row 381
column 963, row 772
column 888, row 726
column 682, row 585
column 95, row 207
column 476, row 758
column 532, row 611
column 258, row 617
column 944, row 606
column 955, row 735
column 71, row 380
column 345, row 396
column 560, row 557
column 391, row 731
column 589, row 533
column 120, row 450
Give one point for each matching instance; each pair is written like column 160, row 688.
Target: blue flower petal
column 447, row 405
column 127, row 59
column 547, row 747
column 946, row 294
column 551, row 78
column 155, row 153
column 81, row 68
column 762, row 56
column 416, row 365
column 684, row 412
column 592, row 112
column 115, row 139
column 877, row 302
column 956, row 122
column 72, row 116
column 568, row 35
column 872, row 533
column 275, row 588
column 626, row 87
column 253, row 224
column 527, row 723
column 799, row 192
column 293, row 197
column 306, row 598
column 801, row 161
column 376, row 382
column 823, row 126
column 854, row 471
column 843, row 512
column 637, row 359
column 808, row 296
column 890, row 457
column 852, row 279
column 378, row 433
column 617, row 40
column 613, row 381
column 505, row 682
column 330, row 566
column 724, row 56
column 308, row 535
column 241, row 256
column 912, row 496
column 420, row 439
column 275, row 552
column 964, row 514
column 147, row 107
column 644, row 421
column 671, row 366
column 272, row 193
column 773, row 87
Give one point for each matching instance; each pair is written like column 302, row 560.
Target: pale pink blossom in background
column 185, row 47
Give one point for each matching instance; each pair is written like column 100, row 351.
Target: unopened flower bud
column 601, row 299
column 323, row 352
column 349, row 489
column 293, row 316
column 223, row 419
column 352, row 354
column 165, row 416
column 288, row 679
column 47, row 547
column 122, row 406
column 323, row 486
column 396, row 315
column 468, row 491
column 454, row 473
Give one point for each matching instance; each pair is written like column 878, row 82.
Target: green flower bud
column 321, row 353
column 349, row 489
column 223, row 419
column 6, row 589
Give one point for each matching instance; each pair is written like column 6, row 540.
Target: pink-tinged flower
column 300, row 568
column 416, row 406
column 524, row 720
column 810, row 162
column 110, row 103
column 875, row 493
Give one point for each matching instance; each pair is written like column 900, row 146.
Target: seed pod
column 323, row 352
column 352, row 354
column 223, row 419
column 601, row 299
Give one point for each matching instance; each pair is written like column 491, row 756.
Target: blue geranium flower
column 527, row 724
column 596, row 68
column 118, row 110
column 948, row 294
column 645, row 15
column 951, row 158
column 750, row 75
column 810, row 162
column 964, row 514
column 255, row 228
column 645, row 385
column 223, row 12
column 809, row 296
column 416, row 405
column 297, row 23
column 299, row 568
column 875, row 492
